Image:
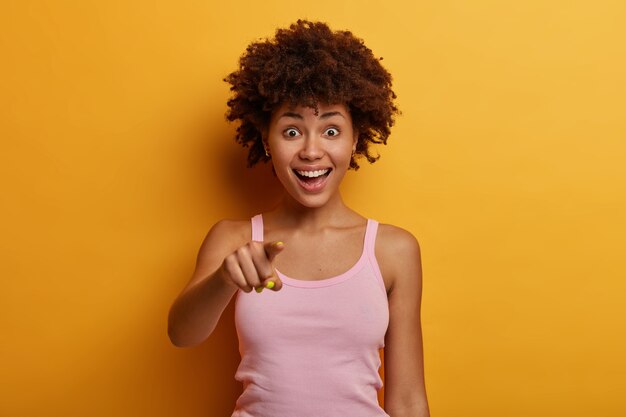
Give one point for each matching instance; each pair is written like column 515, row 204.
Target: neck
column 290, row 212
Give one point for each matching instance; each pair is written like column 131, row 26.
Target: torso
column 322, row 344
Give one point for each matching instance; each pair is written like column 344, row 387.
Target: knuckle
column 228, row 262
column 256, row 248
column 242, row 251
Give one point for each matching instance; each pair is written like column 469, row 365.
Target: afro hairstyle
column 308, row 64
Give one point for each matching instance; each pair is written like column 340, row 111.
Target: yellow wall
column 507, row 164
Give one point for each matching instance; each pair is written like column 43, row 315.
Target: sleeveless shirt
column 312, row 348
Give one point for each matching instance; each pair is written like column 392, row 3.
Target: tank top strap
column 370, row 236
column 257, row 228
column 369, row 248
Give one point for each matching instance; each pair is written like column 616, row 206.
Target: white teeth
column 312, row 174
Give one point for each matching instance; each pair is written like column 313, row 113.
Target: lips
column 311, row 173
column 312, row 183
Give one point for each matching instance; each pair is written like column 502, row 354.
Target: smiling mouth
column 306, row 175
column 312, row 180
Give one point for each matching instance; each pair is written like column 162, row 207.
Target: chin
column 309, row 200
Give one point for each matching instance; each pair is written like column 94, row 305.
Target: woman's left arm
column 400, row 260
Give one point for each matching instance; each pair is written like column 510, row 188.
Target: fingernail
column 270, row 284
column 258, row 289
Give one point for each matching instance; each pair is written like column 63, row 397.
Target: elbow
column 174, row 335
column 175, row 339
column 181, row 338
column 182, row 341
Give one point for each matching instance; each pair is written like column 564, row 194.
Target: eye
column 332, row 131
column 291, row 132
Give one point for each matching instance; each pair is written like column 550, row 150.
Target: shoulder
column 399, row 256
column 232, row 228
column 396, row 237
column 230, row 231
column 225, row 236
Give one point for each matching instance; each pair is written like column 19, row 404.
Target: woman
column 338, row 286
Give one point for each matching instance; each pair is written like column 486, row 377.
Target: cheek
column 343, row 153
column 281, row 165
column 281, row 158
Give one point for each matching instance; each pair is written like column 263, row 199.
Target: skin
column 312, row 226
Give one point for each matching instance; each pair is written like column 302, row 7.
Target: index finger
column 273, row 248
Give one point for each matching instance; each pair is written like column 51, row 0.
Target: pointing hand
column 251, row 266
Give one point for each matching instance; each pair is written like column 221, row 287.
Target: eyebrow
column 323, row 116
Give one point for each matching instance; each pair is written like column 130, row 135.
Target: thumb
column 273, row 283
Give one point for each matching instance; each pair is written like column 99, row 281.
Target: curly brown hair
column 303, row 65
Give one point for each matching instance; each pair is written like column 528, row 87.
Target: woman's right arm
column 196, row 311
column 226, row 262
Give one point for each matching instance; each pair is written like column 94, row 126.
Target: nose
column 311, row 148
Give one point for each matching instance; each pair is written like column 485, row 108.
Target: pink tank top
column 312, row 348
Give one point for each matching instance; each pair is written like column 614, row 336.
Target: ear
column 355, row 141
column 265, row 143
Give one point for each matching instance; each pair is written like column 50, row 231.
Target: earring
column 266, row 153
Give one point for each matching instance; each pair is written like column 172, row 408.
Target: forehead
column 324, row 110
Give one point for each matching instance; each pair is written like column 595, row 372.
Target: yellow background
column 508, row 164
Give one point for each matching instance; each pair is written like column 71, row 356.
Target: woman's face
column 311, row 153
